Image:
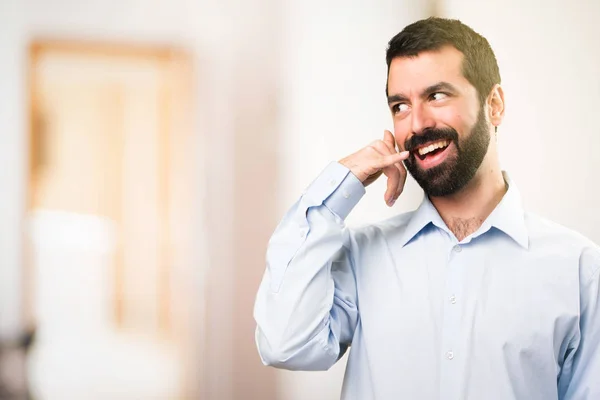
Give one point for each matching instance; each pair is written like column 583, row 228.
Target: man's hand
column 380, row 157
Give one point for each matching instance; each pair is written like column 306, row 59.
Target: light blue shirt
column 510, row 312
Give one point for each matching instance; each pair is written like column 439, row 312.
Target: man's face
column 438, row 118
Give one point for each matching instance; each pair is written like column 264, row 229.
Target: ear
column 496, row 105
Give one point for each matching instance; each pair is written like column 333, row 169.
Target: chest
column 483, row 296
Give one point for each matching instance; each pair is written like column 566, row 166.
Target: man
column 467, row 297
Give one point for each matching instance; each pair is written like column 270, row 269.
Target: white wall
column 211, row 32
column 333, row 90
column 12, row 163
column 232, row 45
column 333, row 103
column 549, row 60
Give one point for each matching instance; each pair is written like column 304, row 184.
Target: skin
column 430, row 91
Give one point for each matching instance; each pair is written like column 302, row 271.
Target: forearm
column 300, row 322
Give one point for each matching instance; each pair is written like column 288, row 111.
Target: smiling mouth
column 431, row 149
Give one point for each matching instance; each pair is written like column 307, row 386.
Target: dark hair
column 480, row 67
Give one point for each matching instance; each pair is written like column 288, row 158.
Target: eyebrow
column 438, row 87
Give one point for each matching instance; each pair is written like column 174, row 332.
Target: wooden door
column 109, row 150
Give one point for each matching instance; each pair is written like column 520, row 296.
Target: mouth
column 433, row 153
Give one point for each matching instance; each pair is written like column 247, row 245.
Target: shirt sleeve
column 580, row 376
column 305, row 308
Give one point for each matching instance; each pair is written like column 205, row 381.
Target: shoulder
column 367, row 233
column 542, row 230
column 560, row 241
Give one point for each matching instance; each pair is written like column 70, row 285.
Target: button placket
column 451, row 330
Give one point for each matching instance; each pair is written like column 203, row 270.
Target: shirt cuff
column 337, row 188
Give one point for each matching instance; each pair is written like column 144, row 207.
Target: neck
column 464, row 211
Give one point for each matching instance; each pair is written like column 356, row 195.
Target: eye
column 438, row 96
column 399, row 108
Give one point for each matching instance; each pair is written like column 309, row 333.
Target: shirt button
column 453, row 299
column 449, row 355
column 302, row 233
column 457, row 248
column 332, row 182
column 346, row 194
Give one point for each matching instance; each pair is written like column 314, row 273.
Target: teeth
column 433, row 146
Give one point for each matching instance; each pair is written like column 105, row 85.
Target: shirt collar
column 423, row 216
column 508, row 217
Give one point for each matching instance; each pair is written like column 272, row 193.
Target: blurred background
column 149, row 148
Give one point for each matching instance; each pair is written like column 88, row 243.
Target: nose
column 421, row 119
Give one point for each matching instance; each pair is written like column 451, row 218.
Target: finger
column 386, row 161
column 393, row 179
column 394, row 176
column 388, row 139
column 381, row 147
column 401, row 181
column 372, row 178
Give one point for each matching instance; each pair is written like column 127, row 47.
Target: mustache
column 430, row 135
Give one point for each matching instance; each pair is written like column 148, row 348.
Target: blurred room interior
column 149, row 148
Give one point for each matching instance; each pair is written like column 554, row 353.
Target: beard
column 457, row 169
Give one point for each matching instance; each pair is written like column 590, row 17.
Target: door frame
column 173, row 135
